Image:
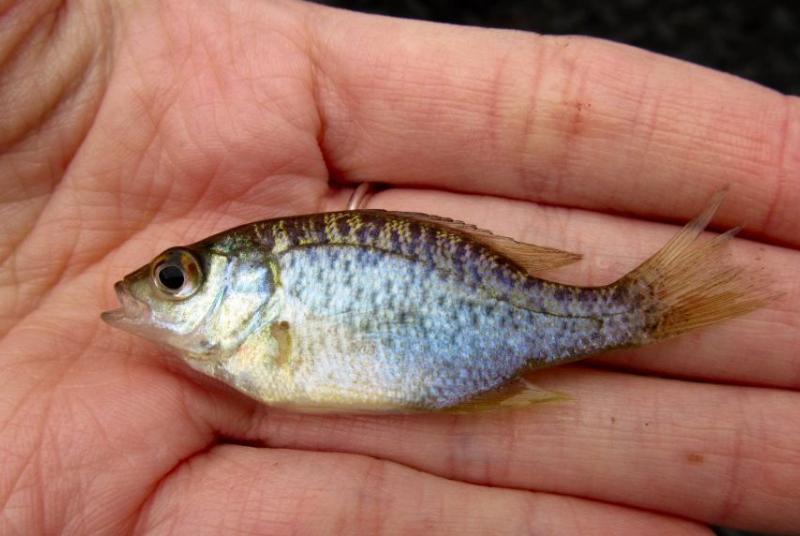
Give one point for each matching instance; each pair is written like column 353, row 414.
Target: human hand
column 131, row 128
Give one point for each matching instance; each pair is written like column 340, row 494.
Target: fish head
column 198, row 301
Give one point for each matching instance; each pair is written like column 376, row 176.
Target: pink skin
column 129, row 128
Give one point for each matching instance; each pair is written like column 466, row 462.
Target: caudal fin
column 688, row 284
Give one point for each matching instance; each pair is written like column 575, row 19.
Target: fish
column 371, row 311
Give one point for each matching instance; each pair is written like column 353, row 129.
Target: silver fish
column 373, row 311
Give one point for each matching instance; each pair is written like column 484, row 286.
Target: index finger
column 562, row 120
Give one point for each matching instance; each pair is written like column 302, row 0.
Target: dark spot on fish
column 561, row 294
column 362, row 255
column 613, row 420
column 428, row 249
column 374, row 231
column 317, row 229
column 620, row 293
column 459, row 252
column 534, row 286
column 453, row 315
column 343, row 226
column 474, row 272
column 424, row 235
column 504, row 276
column 394, row 239
column 475, row 318
column 264, row 235
column 362, row 234
column 414, row 230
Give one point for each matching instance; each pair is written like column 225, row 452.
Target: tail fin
column 688, row 285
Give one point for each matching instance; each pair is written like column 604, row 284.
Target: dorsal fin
column 530, row 257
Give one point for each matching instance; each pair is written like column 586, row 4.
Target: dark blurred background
column 758, row 40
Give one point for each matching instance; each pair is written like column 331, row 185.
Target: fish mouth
column 131, row 313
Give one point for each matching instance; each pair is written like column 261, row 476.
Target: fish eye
column 176, row 273
column 170, row 276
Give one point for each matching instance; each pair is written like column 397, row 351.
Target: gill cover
column 201, row 302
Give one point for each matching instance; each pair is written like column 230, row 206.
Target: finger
column 234, row 489
column 563, row 120
column 719, row 454
column 758, row 349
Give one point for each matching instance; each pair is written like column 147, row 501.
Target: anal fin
column 519, row 393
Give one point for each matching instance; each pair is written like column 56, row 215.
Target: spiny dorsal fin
column 519, row 393
column 531, row 257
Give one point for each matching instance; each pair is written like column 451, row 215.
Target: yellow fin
column 687, row 284
column 519, row 393
column 530, row 257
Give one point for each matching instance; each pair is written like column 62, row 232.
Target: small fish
column 373, row 311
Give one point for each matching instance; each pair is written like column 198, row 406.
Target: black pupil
column 171, row 277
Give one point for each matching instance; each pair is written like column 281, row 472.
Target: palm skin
column 132, row 128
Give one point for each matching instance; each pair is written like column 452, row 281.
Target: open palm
column 128, row 129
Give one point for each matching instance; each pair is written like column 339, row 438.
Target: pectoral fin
column 518, row 394
column 531, row 257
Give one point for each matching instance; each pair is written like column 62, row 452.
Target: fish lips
column 132, row 313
